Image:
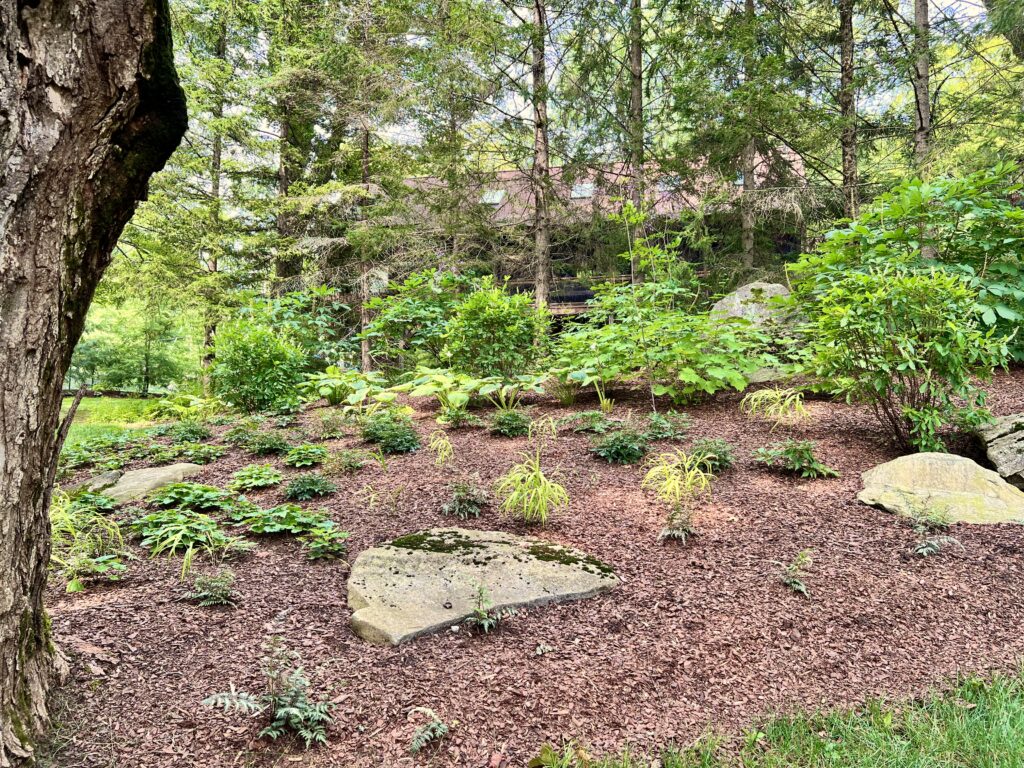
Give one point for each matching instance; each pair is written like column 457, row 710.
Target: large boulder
column 942, row 486
column 753, row 302
column 1004, row 446
column 430, row 580
column 138, row 482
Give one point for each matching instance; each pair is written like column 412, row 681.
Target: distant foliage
column 257, row 368
column 496, row 333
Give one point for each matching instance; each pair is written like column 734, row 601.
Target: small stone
column 429, row 581
column 950, row 488
column 1004, row 446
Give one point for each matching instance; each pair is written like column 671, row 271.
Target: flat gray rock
column 1004, row 446
column 428, row 581
column 753, row 302
column 138, row 482
column 951, row 488
column 101, row 482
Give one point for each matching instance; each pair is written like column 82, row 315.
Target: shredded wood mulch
column 697, row 636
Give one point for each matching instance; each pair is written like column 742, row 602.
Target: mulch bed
column 697, row 636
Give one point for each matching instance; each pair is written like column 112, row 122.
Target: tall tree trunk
column 90, row 107
column 748, row 159
column 921, row 82
column 286, row 263
column 216, row 165
column 364, row 266
column 848, row 109
column 635, row 129
column 541, row 157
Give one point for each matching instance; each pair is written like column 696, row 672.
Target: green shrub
column 715, row 455
column 182, row 531
column 267, row 444
column 305, row 455
column 311, row 486
column 194, row 496
column 197, row 453
column 625, row 446
column 510, row 422
column 909, row 344
column 257, row 369
column 392, row 431
column 467, row 500
column 496, row 333
column 254, row 477
column 795, row 457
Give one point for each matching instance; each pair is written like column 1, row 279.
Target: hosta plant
column 306, row 455
column 186, row 533
column 193, row 496
column 255, row 477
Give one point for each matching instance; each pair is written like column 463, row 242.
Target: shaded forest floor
column 696, row 637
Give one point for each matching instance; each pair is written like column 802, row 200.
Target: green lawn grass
column 102, row 416
column 976, row 724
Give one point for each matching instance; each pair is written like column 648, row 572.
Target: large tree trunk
column 216, row 171
column 848, row 109
column 90, row 107
column 541, row 158
column 636, row 116
column 365, row 361
column 921, row 83
column 748, row 159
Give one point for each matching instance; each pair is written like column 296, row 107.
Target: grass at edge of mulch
column 977, row 722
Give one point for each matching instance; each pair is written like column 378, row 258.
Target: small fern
column 433, row 730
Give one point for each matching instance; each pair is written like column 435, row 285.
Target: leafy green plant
column 714, row 454
column 189, row 431
column 241, row 434
column 624, row 446
column 392, row 431
column 344, row 461
column 185, row 407
column 430, row 732
column 86, row 545
column 594, row 422
column 484, row 618
column 795, row 571
column 467, row 500
column 257, row 367
column 672, row 425
column 680, row 480
column 906, row 340
column 181, row 531
column 255, row 477
column 331, row 384
column 495, row 333
column 197, row 453
column 306, row 455
column 442, row 448
column 324, row 541
column 510, row 422
column 267, row 444
column 527, row 493
column 795, row 457
column 565, row 391
column 286, row 701
column 210, row 590
column 779, row 406
column 91, row 502
column 284, row 518
column 310, row 486
column 194, row 496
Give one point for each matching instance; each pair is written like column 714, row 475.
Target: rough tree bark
column 922, row 84
column 90, row 107
column 635, row 129
column 212, row 265
column 848, row 109
column 541, row 157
